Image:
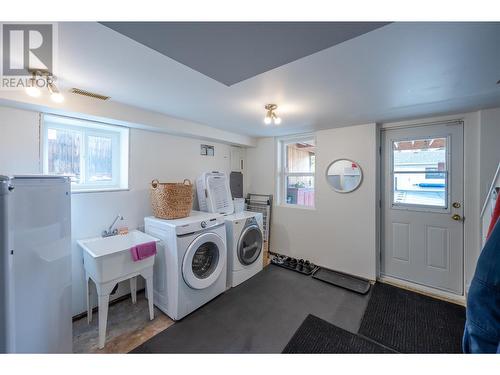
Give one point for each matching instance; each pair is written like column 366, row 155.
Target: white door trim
column 424, row 121
column 463, row 118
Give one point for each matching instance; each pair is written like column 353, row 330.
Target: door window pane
column 300, row 190
column 64, row 147
column 419, row 154
column 420, row 174
column 99, row 159
column 415, row 188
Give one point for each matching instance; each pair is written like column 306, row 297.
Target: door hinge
column 380, row 150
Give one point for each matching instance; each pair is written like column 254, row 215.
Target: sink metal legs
column 103, row 292
column 89, row 308
column 133, row 289
column 149, row 291
column 148, row 275
column 103, row 316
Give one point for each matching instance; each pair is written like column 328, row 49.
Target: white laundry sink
column 109, row 258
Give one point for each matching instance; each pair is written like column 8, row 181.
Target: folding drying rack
column 262, row 203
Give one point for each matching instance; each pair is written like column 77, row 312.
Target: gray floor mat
column 413, row 323
column 317, row 336
column 259, row 315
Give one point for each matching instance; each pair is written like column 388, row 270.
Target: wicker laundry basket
column 171, row 200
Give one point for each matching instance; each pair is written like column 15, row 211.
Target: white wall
column 490, row 147
column 261, row 163
column 472, row 205
column 340, row 232
column 19, row 141
column 152, row 155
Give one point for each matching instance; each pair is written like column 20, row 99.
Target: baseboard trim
column 434, row 293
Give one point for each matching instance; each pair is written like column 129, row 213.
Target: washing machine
column 245, row 241
column 191, row 264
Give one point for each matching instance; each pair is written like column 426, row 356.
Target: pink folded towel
column 143, row 251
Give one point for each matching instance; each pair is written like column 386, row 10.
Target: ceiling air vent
column 89, row 94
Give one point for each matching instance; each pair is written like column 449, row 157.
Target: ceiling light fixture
column 43, row 78
column 271, row 116
column 55, row 94
column 32, row 88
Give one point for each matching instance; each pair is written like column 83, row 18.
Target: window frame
column 283, row 174
column 447, row 172
column 119, row 136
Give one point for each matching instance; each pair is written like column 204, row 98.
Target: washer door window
column 204, row 261
column 250, row 245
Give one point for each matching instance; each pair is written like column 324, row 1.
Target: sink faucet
column 110, row 231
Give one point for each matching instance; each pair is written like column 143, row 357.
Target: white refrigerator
column 35, row 264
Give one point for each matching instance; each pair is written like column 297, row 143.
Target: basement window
column 94, row 155
column 297, row 166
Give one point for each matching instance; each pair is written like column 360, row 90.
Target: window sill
column 98, row 190
column 285, row 205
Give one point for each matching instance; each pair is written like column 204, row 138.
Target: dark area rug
column 318, row 336
column 409, row 322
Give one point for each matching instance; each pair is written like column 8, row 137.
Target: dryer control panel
column 201, row 225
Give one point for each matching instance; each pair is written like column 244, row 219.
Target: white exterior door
column 422, row 205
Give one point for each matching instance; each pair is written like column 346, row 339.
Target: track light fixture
column 271, row 116
column 40, row 79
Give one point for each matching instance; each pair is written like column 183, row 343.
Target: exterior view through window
column 420, row 172
column 298, row 168
column 63, row 152
column 93, row 155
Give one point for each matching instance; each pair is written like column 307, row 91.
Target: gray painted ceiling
column 231, row 52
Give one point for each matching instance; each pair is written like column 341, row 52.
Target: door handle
column 457, row 217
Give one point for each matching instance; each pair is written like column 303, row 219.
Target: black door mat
column 342, row 280
column 412, row 323
column 318, row 336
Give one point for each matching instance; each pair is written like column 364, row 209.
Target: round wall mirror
column 344, row 175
